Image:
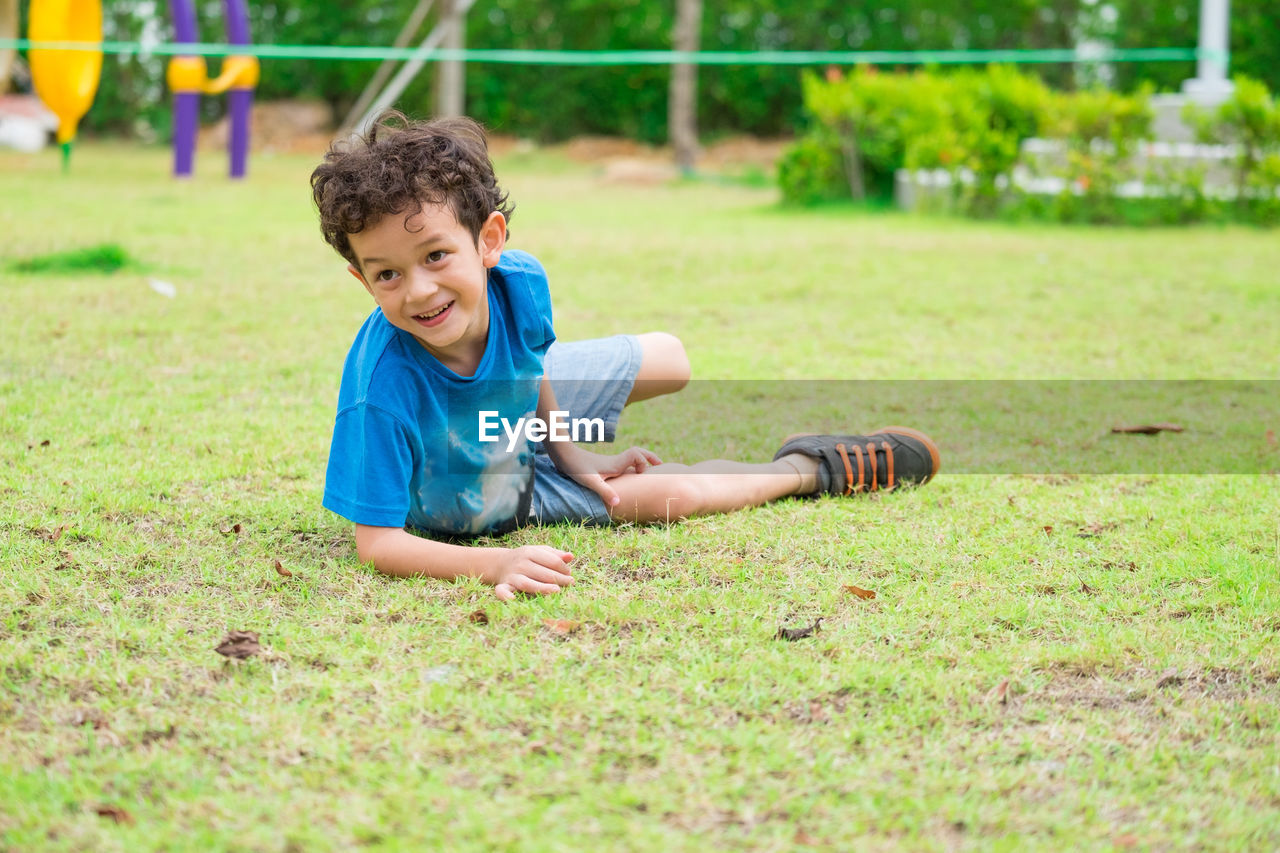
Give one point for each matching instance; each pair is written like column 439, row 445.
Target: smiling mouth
column 433, row 314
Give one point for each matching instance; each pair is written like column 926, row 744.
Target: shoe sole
column 934, row 456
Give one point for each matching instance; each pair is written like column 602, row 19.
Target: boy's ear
column 493, row 237
column 355, row 271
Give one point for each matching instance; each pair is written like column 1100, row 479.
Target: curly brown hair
column 400, row 165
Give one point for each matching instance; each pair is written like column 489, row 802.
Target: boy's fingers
column 602, row 488
column 549, row 574
column 524, row 583
column 553, row 560
column 504, row 592
column 542, row 575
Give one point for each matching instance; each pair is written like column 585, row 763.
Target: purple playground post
column 186, row 102
column 240, row 104
column 239, row 100
column 186, row 117
column 237, row 22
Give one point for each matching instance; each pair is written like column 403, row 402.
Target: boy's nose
column 421, row 285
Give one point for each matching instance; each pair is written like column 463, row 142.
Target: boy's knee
column 661, row 497
column 664, row 359
column 677, row 358
column 684, row 496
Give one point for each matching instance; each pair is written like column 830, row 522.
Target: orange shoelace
column 849, row 486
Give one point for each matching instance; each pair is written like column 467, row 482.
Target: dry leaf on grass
column 561, row 626
column 116, row 813
column 239, row 645
column 1147, row 429
column 804, row 839
column 999, row 693
column 793, row 634
column 155, row 735
column 90, row 716
column 866, row 594
column 1167, row 678
column 50, row 536
column 1270, row 436
column 235, row 528
column 282, row 571
column 478, row 617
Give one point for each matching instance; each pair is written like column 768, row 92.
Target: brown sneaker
column 889, row 458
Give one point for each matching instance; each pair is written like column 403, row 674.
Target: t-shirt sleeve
column 370, row 467
column 530, row 296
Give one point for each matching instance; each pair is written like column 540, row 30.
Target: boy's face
column 430, row 279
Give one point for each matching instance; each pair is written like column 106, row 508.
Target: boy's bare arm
column 533, row 569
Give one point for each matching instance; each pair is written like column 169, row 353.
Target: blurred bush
column 970, row 126
column 1250, row 121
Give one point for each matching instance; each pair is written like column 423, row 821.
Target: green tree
column 549, row 102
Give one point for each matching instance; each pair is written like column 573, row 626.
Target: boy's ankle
column 806, row 468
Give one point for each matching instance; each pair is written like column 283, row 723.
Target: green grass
column 107, row 258
column 1134, row 618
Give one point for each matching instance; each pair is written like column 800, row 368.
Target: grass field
column 1050, row 660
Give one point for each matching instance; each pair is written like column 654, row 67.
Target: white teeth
column 434, row 313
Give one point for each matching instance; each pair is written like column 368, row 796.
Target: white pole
column 1211, row 84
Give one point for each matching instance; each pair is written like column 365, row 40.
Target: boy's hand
column 594, row 470
column 534, row 569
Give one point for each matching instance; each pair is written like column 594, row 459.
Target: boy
column 461, row 342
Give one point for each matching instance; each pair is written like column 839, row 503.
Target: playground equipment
column 188, row 77
column 66, row 80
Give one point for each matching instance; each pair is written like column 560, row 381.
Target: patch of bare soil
column 734, row 151
column 597, row 149
column 1140, row 687
column 737, row 151
column 297, row 127
column 307, row 127
column 627, row 161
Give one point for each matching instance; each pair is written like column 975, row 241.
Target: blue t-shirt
column 406, row 446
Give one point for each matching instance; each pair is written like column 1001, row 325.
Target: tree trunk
column 852, row 161
column 8, row 30
column 682, row 100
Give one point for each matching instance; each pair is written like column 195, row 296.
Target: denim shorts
column 591, row 379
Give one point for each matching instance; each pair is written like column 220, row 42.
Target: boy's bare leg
column 664, row 367
column 672, row 491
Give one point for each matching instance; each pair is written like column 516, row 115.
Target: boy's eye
column 386, row 275
column 435, row 256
